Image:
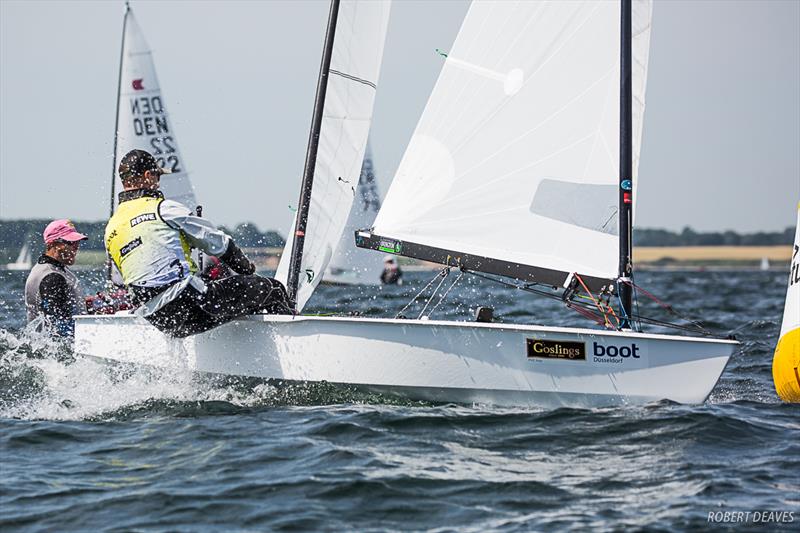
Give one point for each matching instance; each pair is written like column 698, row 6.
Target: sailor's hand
column 237, row 261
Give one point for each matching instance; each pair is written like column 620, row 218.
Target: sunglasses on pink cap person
column 62, row 230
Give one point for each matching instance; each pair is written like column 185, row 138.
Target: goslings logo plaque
column 543, row 349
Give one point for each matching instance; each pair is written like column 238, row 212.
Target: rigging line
column 444, row 273
column 668, row 307
column 587, row 310
column 460, row 275
column 636, row 300
column 599, row 307
column 414, row 299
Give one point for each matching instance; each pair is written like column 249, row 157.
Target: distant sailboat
column 24, row 259
column 142, row 119
column 786, row 363
column 351, row 265
column 764, row 264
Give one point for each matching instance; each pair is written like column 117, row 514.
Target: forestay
column 142, row 117
column 515, row 158
column 352, row 82
column 351, row 265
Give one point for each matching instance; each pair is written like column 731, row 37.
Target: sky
column 721, row 146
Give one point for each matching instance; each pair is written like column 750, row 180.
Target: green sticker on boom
column 390, row 247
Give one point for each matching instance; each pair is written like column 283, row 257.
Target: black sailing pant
column 194, row 312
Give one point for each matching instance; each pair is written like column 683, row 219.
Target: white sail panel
column 351, row 265
column 516, row 155
column 143, row 121
column 352, row 82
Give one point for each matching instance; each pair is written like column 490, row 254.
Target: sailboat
column 786, row 362
column 24, row 259
column 523, row 166
column 351, row 265
column 142, row 121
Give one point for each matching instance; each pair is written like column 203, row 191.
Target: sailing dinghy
column 523, row 165
column 24, row 259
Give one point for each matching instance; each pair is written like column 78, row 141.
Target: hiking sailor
column 52, row 291
column 149, row 239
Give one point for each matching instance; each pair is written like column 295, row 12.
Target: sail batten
column 516, row 155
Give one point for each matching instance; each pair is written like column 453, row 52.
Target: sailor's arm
column 58, row 303
column 204, row 235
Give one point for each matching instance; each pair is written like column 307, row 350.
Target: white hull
column 459, row 362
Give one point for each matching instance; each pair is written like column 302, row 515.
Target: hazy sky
column 721, row 145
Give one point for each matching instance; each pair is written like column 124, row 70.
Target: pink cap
column 62, row 230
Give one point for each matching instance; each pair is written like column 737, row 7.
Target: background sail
column 355, row 66
column 143, row 119
column 516, row 155
column 350, row 264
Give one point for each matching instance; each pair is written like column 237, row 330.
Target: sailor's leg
column 242, row 295
column 183, row 316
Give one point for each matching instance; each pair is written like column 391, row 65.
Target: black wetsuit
column 52, row 291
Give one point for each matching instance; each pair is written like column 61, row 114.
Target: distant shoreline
column 646, row 257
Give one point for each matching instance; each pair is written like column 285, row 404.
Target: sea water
column 88, row 447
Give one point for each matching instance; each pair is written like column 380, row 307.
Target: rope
column 670, row 308
column 414, row 299
column 596, row 303
column 586, row 310
column 460, row 275
column 444, row 273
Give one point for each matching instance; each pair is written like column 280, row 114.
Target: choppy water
column 85, row 447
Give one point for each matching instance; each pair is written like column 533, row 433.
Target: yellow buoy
column 786, row 363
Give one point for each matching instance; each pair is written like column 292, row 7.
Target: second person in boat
column 149, row 239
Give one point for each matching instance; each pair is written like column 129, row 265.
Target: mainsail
column 351, row 265
column 351, row 84
column 514, row 164
column 142, row 119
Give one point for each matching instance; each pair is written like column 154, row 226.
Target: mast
column 116, row 130
column 625, row 163
column 311, row 156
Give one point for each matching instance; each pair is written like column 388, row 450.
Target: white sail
column 24, row 257
column 143, row 121
column 516, row 155
column 351, row 265
column 352, row 82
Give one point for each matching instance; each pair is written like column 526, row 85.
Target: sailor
column 150, row 239
column 52, row 291
column 391, row 275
